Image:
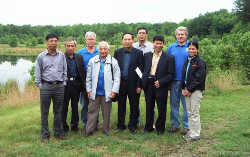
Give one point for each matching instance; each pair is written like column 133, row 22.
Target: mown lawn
column 225, row 122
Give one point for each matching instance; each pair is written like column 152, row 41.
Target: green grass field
column 225, row 122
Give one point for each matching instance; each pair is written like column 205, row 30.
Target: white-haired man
column 87, row 53
column 101, row 87
column 180, row 53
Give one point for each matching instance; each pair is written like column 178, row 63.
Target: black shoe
column 132, row 131
column 88, row 134
column 173, row 129
column 65, row 128
column 184, row 131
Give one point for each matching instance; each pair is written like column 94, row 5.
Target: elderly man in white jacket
column 102, row 84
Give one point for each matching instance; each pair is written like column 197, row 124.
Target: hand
column 184, row 92
column 112, row 94
column 189, row 93
column 157, row 84
column 138, row 90
column 89, row 93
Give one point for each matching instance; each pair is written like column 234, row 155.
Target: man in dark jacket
column 130, row 60
column 75, row 84
column 159, row 71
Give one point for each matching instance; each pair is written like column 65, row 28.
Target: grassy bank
column 225, row 122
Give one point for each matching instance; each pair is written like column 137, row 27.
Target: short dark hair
column 51, row 35
column 194, row 43
column 142, row 28
column 129, row 34
column 158, row 38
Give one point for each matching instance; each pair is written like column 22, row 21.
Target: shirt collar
column 69, row 57
column 185, row 45
column 47, row 52
column 145, row 44
column 159, row 55
column 107, row 60
column 96, row 49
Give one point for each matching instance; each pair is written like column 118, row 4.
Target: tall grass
column 219, row 80
column 11, row 96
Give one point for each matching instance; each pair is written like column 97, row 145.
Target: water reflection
column 18, row 73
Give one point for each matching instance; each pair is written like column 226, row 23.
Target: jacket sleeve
column 117, row 76
column 145, row 72
column 65, row 78
column 115, row 54
column 38, row 80
column 183, row 75
column 170, row 72
column 199, row 76
column 83, row 73
column 141, row 67
column 89, row 77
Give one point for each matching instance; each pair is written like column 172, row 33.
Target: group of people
column 96, row 79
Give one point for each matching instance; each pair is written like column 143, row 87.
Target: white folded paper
column 138, row 71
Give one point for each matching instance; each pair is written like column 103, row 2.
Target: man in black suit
column 129, row 59
column 76, row 83
column 159, row 70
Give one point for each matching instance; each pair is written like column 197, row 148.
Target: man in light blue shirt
column 142, row 43
column 180, row 53
column 87, row 53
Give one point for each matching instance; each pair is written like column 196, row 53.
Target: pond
column 16, row 68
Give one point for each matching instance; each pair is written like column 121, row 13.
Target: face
column 192, row 50
column 52, row 43
column 103, row 50
column 158, row 45
column 181, row 36
column 70, row 47
column 90, row 41
column 127, row 41
column 142, row 35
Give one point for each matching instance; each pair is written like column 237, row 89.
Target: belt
column 151, row 79
column 73, row 78
column 52, row 82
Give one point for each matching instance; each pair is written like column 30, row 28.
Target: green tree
column 13, row 41
column 242, row 9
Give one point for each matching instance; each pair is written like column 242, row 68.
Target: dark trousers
column 72, row 94
column 126, row 90
column 54, row 92
column 160, row 96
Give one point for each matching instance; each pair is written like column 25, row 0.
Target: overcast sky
column 69, row 12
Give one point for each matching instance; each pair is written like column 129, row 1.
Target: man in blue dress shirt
column 180, row 53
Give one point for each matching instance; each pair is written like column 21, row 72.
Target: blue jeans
column 84, row 112
column 175, row 97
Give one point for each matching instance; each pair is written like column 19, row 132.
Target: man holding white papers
column 159, row 71
column 129, row 59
